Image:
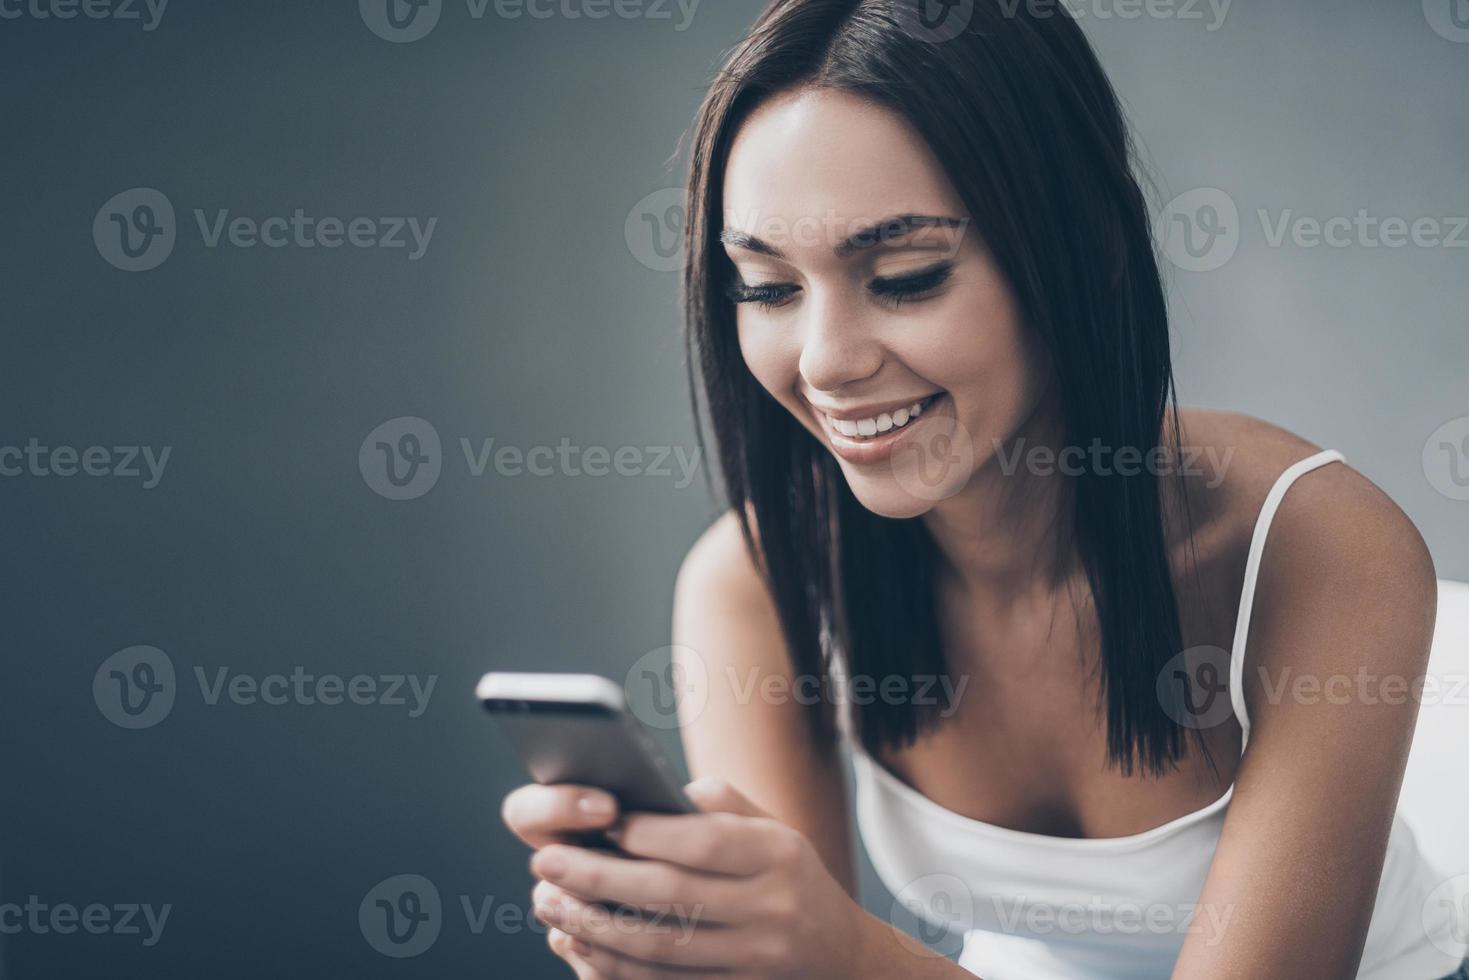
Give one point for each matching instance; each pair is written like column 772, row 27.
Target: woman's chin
column 885, row 496
column 933, row 461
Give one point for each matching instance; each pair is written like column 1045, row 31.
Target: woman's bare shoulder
column 720, row 564
column 1229, row 462
column 1332, row 514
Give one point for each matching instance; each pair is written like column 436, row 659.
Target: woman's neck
column 1008, row 532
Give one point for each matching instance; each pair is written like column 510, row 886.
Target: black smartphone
column 576, row 728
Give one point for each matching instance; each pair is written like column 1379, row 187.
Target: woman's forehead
column 831, row 160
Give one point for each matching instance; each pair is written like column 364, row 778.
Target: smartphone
column 576, row 728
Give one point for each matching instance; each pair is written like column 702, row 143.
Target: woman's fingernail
column 550, row 865
column 596, row 805
column 705, row 784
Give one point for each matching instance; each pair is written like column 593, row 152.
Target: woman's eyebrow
column 885, row 233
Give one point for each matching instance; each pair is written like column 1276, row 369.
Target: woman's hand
column 729, row 891
column 544, row 815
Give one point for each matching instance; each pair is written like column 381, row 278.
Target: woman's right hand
column 559, row 814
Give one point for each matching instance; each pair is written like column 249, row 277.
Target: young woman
column 923, row 301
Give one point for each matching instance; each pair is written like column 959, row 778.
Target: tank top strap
column 1252, row 573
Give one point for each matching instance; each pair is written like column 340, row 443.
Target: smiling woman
column 920, row 273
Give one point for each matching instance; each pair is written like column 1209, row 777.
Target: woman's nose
column 838, row 345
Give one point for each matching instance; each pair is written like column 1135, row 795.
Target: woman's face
column 849, row 338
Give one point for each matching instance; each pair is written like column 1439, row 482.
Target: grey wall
column 529, row 319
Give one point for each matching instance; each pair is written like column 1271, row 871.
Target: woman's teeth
column 862, row 428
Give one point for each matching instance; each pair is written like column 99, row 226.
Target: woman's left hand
column 730, row 890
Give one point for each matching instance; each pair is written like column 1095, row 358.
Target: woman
column 922, row 297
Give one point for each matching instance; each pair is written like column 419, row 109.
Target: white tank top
column 1037, row 907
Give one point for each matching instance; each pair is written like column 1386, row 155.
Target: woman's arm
column 1347, row 598
column 761, row 882
column 743, row 724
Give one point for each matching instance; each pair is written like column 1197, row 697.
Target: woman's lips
column 878, row 448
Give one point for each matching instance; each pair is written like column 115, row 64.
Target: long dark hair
column 1018, row 111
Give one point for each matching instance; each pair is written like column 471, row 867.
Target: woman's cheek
column 774, row 360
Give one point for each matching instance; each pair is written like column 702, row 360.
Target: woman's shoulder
column 1335, row 537
column 720, row 557
column 1231, row 461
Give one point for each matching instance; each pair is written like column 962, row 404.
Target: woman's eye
column 902, row 289
column 765, row 295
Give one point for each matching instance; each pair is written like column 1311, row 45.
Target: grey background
column 529, row 320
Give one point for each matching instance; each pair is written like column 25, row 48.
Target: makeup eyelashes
column 892, row 289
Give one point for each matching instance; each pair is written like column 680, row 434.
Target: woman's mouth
column 872, row 438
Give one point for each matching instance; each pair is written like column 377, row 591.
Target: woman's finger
column 609, row 965
column 567, row 948
column 657, row 942
column 541, row 815
column 655, row 887
column 722, row 843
